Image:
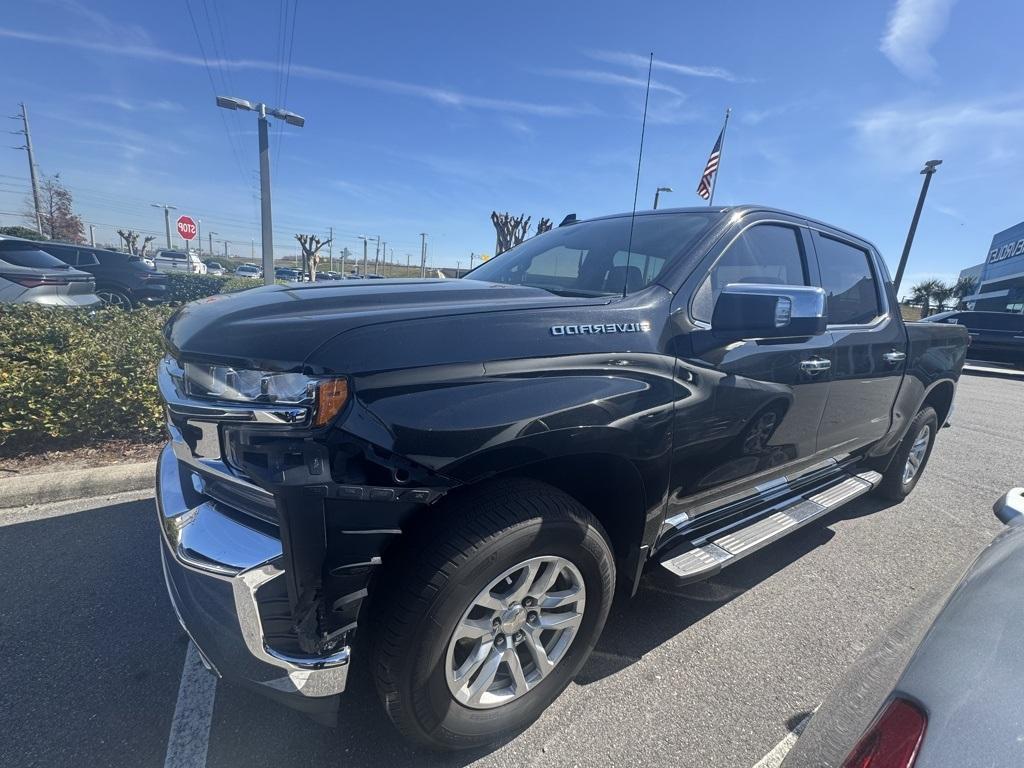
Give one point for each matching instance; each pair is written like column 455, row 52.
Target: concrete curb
column 47, row 487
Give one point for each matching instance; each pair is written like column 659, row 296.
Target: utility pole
column 376, row 255
column 199, row 237
column 408, row 266
column 423, row 254
column 471, row 257
column 330, row 249
column 929, row 169
column 225, row 249
column 252, row 248
column 458, row 269
column 344, row 259
column 31, row 164
column 381, row 252
column 267, row 229
column 211, row 234
column 365, row 240
column 167, row 219
column 92, row 235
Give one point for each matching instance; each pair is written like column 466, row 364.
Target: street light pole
column 929, row 169
column 225, row 249
column 199, row 237
column 262, row 110
column 92, row 235
column 657, row 192
column 211, row 234
column 167, row 219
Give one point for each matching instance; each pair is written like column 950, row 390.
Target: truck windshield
column 592, row 259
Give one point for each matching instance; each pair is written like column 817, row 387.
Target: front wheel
column 498, row 610
column 911, row 456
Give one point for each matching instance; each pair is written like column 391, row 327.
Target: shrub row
column 68, row 377
column 184, row 286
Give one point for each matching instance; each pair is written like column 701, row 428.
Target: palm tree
column 924, row 292
column 942, row 294
column 965, row 286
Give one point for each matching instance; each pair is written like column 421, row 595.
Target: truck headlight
column 222, row 382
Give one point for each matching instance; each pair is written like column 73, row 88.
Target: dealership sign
column 1007, row 244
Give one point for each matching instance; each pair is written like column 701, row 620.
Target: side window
column 86, row 258
column 67, row 255
column 849, row 282
column 765, row 253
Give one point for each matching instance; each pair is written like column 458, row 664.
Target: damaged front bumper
column 222, row 573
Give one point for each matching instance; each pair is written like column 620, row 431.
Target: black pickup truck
column 448, row 480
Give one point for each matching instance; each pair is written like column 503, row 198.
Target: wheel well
column 609, row 487
column 941, row 399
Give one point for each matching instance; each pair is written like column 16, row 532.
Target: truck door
column 869, row 340
column 760, row 403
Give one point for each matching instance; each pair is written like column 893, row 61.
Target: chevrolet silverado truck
column 448, row 480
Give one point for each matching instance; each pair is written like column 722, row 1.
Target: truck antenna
column 636, row 189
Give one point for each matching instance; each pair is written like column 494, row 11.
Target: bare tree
column 311, row 246
column 59, row 220
column 145, row 245
column 543, row 225
column 511, row 230
column 130, row 239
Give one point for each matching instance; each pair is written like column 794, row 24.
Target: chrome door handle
column 815, row 365
column 894, row 357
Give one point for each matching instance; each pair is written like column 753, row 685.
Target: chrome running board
column 708, row 554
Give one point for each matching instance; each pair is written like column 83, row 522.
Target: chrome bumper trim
column 214, row 565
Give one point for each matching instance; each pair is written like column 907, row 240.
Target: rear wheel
column 911, row 456
column 497, row 611
column 111, row 297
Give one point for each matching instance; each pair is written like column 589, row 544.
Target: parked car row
column 995, row 336
column 29, row 275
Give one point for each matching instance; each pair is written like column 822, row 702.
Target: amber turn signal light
column 332, row 394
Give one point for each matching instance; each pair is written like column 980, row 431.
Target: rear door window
column 32, row 258
column 849, row 282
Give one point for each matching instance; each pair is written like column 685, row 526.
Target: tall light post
column 657, row 192
column 423, row 254
column 167, row 219
column 211, row 234
column 199, row 237
column 929, row 169
column 226, row 102
column 365, row 240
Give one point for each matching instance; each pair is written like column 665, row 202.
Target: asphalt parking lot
column 713, row 674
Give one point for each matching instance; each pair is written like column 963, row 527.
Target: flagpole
column 721, row 151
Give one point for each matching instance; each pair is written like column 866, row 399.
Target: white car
column 178, row 261
column 249, row 270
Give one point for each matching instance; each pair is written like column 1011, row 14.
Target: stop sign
column 186, row 228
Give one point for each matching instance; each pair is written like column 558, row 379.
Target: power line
column 287, row 78
column 213, row 88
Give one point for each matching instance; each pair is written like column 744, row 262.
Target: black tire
column 476, row 538
column 893, row 486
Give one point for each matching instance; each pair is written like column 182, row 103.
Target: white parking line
column 774, row 758
column 190, row 728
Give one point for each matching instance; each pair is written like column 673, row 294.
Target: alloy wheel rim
column 113, row 299
column 916, row 456
column 515, row 632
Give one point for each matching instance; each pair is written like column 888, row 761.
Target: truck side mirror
column 752, row 311
column 1010, row 507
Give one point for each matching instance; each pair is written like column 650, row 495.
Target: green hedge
column 185, row 286
column 71, row 377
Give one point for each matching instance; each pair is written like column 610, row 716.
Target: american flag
column 704, row 187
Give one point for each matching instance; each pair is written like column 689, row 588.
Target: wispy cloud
column 443, row 96
column 914, row 26
column 134, row 105
column 637, row 61
column 907, row 134
column 609, row 78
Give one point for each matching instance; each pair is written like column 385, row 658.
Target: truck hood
column 276, row 327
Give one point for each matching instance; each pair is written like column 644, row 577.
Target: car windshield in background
column 30, row 257
column 592, row 258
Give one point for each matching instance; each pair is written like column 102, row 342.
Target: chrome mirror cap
column 1010, row 507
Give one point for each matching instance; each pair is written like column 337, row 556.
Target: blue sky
column 425, row 117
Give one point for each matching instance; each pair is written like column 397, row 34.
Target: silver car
column 30, row 276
